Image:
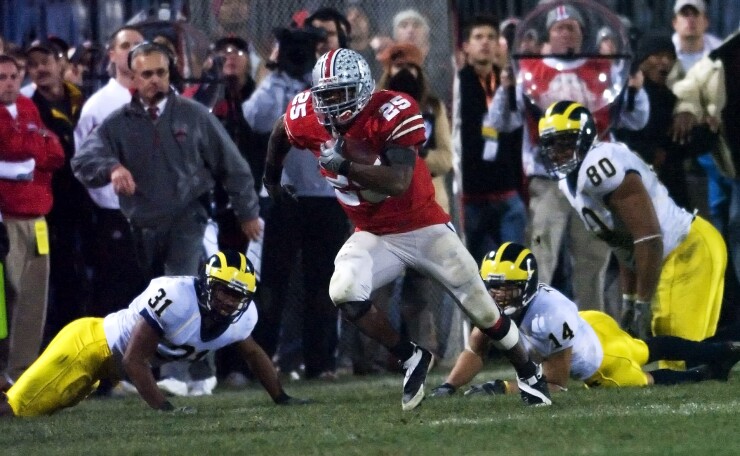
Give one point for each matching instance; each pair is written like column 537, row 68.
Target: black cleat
column 720, row 370
column 534, row 389
column 416, row 368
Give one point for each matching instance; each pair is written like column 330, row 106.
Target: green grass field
column 362, row 416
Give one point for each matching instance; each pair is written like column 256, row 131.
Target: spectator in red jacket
column 29, row 154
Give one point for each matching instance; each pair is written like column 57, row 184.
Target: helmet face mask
column 228, row 284
column 567, row 132
column 341, row 87
column 559, row 153
column 509, row 295
column 225, row 303
column 510, row 275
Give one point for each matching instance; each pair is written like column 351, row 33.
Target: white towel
column 21, row 171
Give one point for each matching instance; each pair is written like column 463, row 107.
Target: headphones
column 331, row 14
column 147, row 47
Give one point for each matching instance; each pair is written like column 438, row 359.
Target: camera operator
column 308, row 220
column 227, row 84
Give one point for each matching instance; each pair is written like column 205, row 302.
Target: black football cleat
column 534, row 389
column 416, row 368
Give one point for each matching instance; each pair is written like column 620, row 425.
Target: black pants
column 117, row 277
column 317, row 228
column 70, row 259
column 174, row 247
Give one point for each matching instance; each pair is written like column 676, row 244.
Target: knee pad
column 354, row 310
column 350, row 281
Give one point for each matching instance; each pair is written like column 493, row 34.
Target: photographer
column 227, row 84
column 309, row 220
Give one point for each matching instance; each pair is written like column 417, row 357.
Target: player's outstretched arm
column 633, row 206
column 556, row 369
column 261, row 365
column 140, row 350
column 277, row 149
column 470, row 360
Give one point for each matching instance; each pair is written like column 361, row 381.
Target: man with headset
column 162, row 197
column 163, row 154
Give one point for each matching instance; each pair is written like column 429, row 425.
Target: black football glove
column 280, row 193
column 492, row 388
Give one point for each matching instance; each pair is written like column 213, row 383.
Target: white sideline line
column 687, row 409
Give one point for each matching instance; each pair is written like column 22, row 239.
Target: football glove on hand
column 493, row 388
column 642, row 320
column 443, row 390
column 331, row 158
column 280, row 193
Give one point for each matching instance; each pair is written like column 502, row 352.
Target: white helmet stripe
column 331, row 58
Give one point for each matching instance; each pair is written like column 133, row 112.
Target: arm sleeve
column 95, row 158
column 501, row 116
column 261, row 109
column 230, row 168
column 53, row 158
column 27, row 141
column 637, row 118
column 84, row 127
column 689, row 89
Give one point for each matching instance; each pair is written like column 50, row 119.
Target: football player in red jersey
column 367, row 148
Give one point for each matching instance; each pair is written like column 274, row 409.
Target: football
column 360, row 152
column 370, row 195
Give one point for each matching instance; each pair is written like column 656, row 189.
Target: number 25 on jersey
column 394, row 107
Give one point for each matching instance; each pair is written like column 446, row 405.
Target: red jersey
column 20, row 139
column 389, row 118
column 586, row 81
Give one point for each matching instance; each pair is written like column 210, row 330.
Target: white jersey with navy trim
column 170, row 306
column 551, row 324
column 601, row 172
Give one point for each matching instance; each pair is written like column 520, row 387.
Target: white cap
column 700, row 5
